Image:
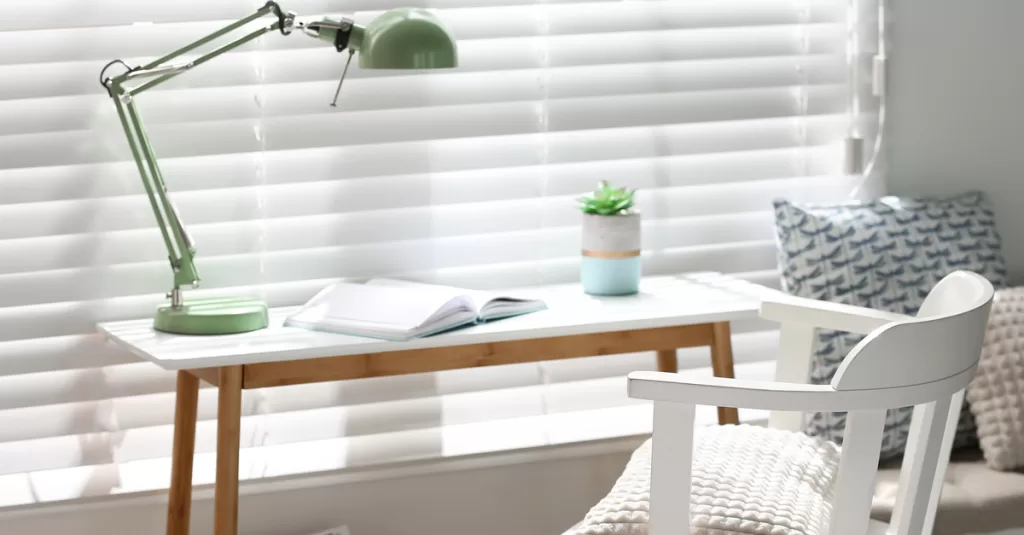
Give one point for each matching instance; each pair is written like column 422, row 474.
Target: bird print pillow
column 885, row 254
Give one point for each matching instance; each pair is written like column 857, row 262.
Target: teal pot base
column 610, row 276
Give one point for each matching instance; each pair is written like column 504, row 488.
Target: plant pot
column 611, row 254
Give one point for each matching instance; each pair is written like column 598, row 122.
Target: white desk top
column 662, row 302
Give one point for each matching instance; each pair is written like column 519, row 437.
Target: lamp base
column 220, row 315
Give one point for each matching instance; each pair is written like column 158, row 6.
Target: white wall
column 957, row 107
column 957, row 103
column 536, row 498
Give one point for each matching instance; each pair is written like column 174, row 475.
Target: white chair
column 925, row 362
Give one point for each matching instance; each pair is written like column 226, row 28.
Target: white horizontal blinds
column 709, row 108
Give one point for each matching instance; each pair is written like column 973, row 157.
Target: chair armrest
column 767, row 395
column 823, row 314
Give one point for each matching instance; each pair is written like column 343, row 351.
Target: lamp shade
column 407, row 38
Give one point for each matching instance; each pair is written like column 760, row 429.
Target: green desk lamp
column 403, row 38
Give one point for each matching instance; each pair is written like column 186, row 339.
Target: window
column 709, row 107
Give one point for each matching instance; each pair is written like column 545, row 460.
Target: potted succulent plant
column 611, row 242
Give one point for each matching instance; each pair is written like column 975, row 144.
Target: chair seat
column 975, row 498
column 746, row 480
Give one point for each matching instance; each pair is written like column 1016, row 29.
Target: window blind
column 710, row 108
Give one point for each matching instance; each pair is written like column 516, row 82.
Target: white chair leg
column 796, row 341
column 670, row 477
column 851, row 506
column 921, row 464
column 940, row 471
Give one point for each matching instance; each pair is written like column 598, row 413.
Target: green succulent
column 607, row 200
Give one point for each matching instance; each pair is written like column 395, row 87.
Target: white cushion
column 746, row 480
column 996, row 394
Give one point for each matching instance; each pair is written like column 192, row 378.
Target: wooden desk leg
column 229, row 416
column 179, row 498
column 667, row 361
column 721, row 365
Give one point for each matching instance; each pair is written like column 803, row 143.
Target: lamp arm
column 180, row 247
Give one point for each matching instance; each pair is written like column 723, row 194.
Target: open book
column 400, row 310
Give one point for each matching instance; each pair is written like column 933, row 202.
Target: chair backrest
column 943, row 341
column 941, row 347
column 925, row 361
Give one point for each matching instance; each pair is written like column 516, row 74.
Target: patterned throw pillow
column 885, row 254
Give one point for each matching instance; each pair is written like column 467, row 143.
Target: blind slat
column 423, row 124
column 46, row 14
column 462, row 158
column 297, row 229
column 36, row 408
column 543, row 236
column 282, row 100
column 142, row 429
column 37, row 80
column 466, row 23
column 66, row 318
column 516, row 185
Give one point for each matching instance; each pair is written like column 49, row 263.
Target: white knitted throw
column 996, row 393
column 746, row 480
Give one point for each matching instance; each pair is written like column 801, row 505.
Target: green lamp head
column 403, row 38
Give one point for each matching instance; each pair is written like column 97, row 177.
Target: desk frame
column 231, row 380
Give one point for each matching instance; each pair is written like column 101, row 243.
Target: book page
column 477, row 299
column 503, row 307
column 487, row 305
column 395, row 307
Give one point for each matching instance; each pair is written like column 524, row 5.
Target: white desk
column 668, row 313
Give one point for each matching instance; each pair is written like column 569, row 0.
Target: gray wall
column 957, row 106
